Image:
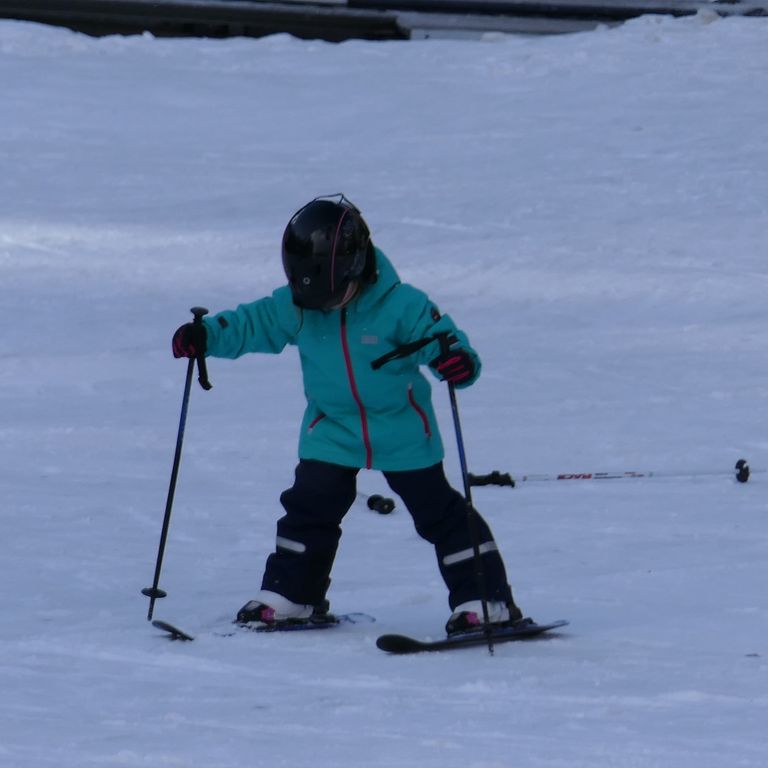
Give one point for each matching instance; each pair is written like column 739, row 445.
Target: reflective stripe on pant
column 308, row 535
column 440, row 515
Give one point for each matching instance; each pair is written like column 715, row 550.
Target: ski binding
column 174, row 633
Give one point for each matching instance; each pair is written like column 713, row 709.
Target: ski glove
column 190, row 340
column 455, row 366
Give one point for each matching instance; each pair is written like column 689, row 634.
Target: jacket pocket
column 315, row 422
column 419, row 411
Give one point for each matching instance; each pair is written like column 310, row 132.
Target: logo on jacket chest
column 369, row 339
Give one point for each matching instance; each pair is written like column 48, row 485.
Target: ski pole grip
column 202, row 368
column 492, row 478
column 444, row 341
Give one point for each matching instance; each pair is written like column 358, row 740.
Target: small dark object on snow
column 380, row 504
column 742, row 470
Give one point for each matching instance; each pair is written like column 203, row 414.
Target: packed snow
column 592, row 209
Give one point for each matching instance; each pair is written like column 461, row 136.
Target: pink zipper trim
column 355, row 393
column 416, row 407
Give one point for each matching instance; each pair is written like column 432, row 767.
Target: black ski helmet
column 326, row 246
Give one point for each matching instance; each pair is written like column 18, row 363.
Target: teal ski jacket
column 356, row 416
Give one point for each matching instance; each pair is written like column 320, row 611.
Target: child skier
column 344, row 306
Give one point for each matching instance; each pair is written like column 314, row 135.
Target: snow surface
column 592, row 209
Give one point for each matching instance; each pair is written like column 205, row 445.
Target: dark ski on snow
column 175, row 633
column 400, row 644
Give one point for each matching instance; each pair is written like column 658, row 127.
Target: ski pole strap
column 492, row 478
column 202, row 373
column 404, row 351
column 445, row 340
column 202, row 368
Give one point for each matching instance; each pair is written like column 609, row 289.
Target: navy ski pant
column 308, row 534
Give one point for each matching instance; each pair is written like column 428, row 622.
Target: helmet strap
column 350, row 293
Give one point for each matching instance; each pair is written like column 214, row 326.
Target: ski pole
column 404, row 351
column 741, row 471
column 154, row 592
column 471, row 513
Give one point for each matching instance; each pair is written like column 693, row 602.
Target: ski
column 401, row 644
column 174, row 633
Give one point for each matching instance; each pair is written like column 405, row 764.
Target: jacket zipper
column 355, row 393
